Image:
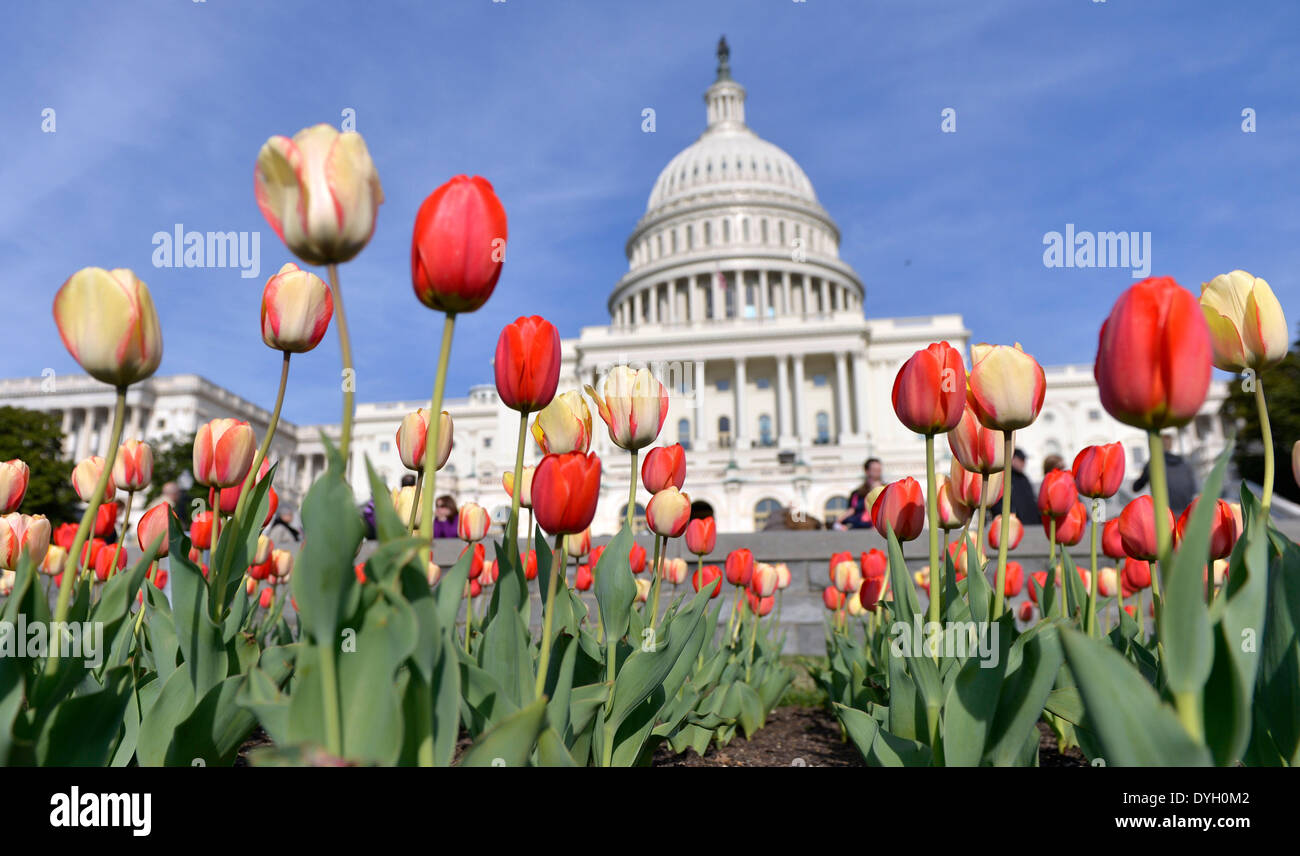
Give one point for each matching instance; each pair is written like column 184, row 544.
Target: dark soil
column 1050, row 756
column 793, row 736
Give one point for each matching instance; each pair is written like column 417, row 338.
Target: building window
column 1094, row 415
column 726, row 231
column 684, row 433
column 385, row 446
column 708, row 233
column 724, row 432
column 690, row 237
column 819, row 380
column 763, row 511
column 763, row 383
column 723, row 384
column 823, row 428
column 765, row 437
column 487, row 442
column 638, row 517
column 834, row 509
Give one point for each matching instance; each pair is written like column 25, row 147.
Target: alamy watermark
column 192, row 249
column 1075, row 249
column 76, row 640
column 957, row 639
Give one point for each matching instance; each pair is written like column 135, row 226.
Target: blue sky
column 1121, row 115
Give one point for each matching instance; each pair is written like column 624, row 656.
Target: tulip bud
column 1136, row 573
column 1137, row 528
column 530, row 566
column 953, row 514
column 412, row 435
column 108, row 323
column 900, row 508
column 1071, row 526
column 664, row 466
column 296, row 310
column 1006, row 387
column 642, row 589
column 873, row 586
column 853, row 603
column 223, row 452
column 23, row 534
column 978, row 449
column 634, row 407
column 636, row 558
column 85, row 475
column 921, row 579
column 201, row 530
column 564, row 425
column 995, row 533
column 320, row 193
column 527, row 363
column 1153, row 356
column 152, row 524
column 740, row 567
column 1015, row 579
column 105, row 519
column 109, row 561
column 759, row 606
column 583, row 579
column 1224, row 528
column 1099, row 470
column 14, row 475
column 668, row 512
column 1039, row 582
column 56, row 558
column 833, row 598
column 1111, row 544
column 281, row 564
column 472, row 522
column 673, row 570
column 433, row 574
column 133, row 466
column 1057, row 494
column 1107, row 582
column 846, row 576
column 458, row 245
column 1026, row 611
column 969, row 487
column 578, row 545
column 782, row 575
column 1247, row 327
column 565, row 491
column 706, row 577
column 701, row 536
column 526, row 494
column 930, row 390
column 404, row 497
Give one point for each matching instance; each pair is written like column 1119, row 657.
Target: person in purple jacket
column 445, row 517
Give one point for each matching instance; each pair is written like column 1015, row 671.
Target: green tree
column 1282, row 391
column 37, row 438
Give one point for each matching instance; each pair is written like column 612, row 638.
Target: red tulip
column 458, row 246
column 833, row 598
column 1137, row 528
column 709, row 575
column 153, row 523
column 64, row 535
column 664, row 466
column 930, row 390
column 1099, row 470
column 1015, row 579
column 1039, row 577
column 995, row 532
column 583, row 579
column 105, row 519
column 740, row 567
column 760, row 606
column 565, row 491
column 967, row 486
column 133, row 466
column 901, row 508
column 1070, row 528
column 875, row 564
column 1154, row 356
column 701, row 536
column 1026, row 611
column 105, row 566
column 871, row 590
column 1111, row 544
column 266, row 598
column 201, row 530
column 530, row 565
column 527, row 363
column 476, row 558
column 1057, row 494
column 978, row 449
column 1223, row 528
column 1137, row 574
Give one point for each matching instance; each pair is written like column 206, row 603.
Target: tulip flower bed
column 957, row 682
column 376, row 666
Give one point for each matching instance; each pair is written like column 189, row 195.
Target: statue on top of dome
column 724, row 59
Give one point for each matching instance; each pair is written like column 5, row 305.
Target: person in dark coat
column 1179, row 476
column 1024, row 500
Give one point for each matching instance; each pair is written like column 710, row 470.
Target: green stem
column 937, row 573
column 1160, row 498
column 1091, row 620
column 244, row 493
column 544, row 659
column 1266, row 435
column 92, row 508
column 349, row 379
column 753, row 637
column 415, row 503
column 1000, row 584
column 1059, row 576
column 607, row 748
column 431, row 439
column 658, row 577
column 979, row 530
column 516, row 490
column 121, row 537
column 333, row 703
column 1189, row 714
column 631, row 493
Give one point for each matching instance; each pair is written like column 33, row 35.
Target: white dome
column 730, row 159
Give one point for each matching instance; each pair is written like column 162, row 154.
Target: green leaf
column 510, row 743
column 1032, row 664
column 82, row 731
column 615, row 586
column 969, row 712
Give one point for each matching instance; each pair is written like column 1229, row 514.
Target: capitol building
column 737, row 298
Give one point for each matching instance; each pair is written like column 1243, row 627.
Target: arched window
column 708, row 233
column 638, row 517
column 823, row 428
column 724, row 432
column 765, row 437
column 726, row 231
column 763, row 511
column 684, row 433
column 834, row 509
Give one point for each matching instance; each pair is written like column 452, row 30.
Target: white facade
column 736, row 297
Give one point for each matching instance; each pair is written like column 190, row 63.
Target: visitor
column 285, row 520
column 446, row 517
column 171, row 494
column 1179, row 477
column 1024, row 500
column 859, row 514
column 1052, row 463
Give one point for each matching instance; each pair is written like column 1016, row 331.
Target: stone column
column 782, row 401
column 672, row 301
column 800, row 419
column 695, row 299
column 698, row 440
column 842, row 394
column 823, row 301
column 741, row 429
column 860, row 394
column 762, row 293
column 719, row 299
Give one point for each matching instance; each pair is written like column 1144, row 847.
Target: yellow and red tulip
column 14, row 476
column 23, row 534
column 634, row 406
column 85, row 475
column 108, row 323
column 1248, row 329
column 1006, row 386
column 296, row 310
column 664, row 466
column 223, row 452
column 564, row 425
column 472, row 522
column 526, row 491
column 668, row 512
